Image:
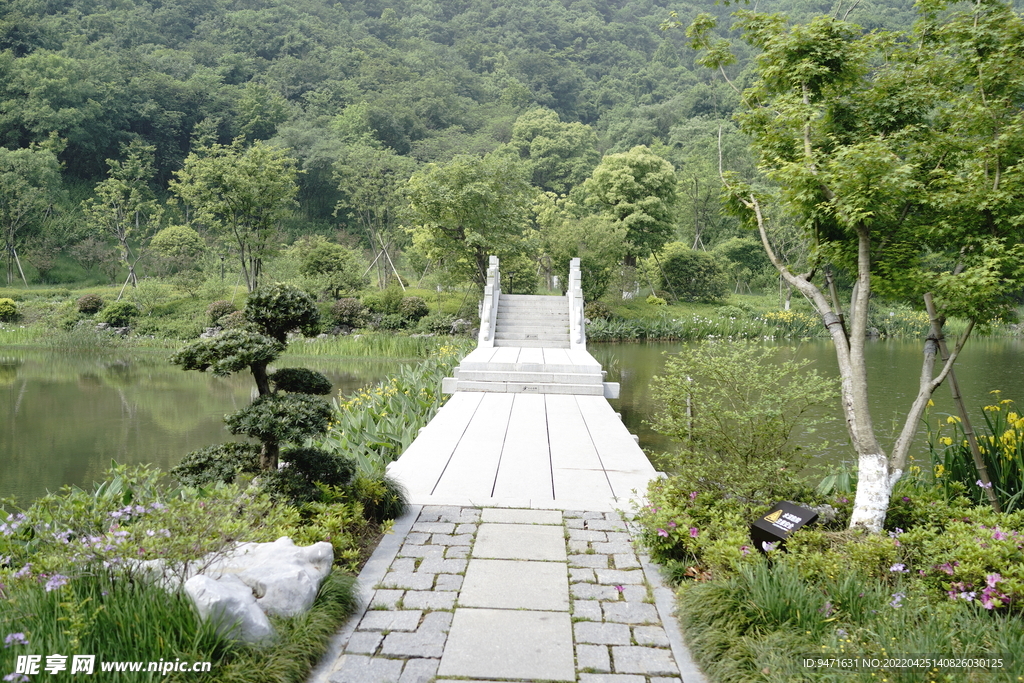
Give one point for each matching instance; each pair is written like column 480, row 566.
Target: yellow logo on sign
column 774, row 517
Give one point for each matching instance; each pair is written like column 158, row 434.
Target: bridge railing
column 577, row 332
column 489, row 305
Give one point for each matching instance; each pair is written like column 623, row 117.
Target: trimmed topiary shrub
column 304, row 469
column 413, row 308
column 388, row 301
column 218, row 309
column 438, row 323
column 300, row 381
column 596, row 310
column 232, row 321
column 89, row 303
column 8, row 310
column 350, row 312
column 391, row 321
column 119, row 314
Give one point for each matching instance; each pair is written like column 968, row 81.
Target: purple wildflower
column 998, row 535
column 897, row 600
column 694, row 532
column 55, row 582
column 984, row 486
column 662, row 532
column 693, row 495
column 24, row 571
column 15, row 639
column 16, row 678
column 899, row 567
column 768, row 547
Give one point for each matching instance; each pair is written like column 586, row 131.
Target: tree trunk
column 259, row 373
column 269, row 455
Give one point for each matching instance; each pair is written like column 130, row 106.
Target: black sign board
column 781, row 521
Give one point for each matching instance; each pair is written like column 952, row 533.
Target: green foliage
column 470, row 208
column 178, row 246
column 376, row 425
column 348, row 312
column 330, row 267
column 637, row 190
column 300, row 380
column 243, row 193
column 278, row 309
column 734, row 408
column 654, row 300
column 230, row 351
column 89, row 303
column 220, row 463
column 390, row 322
column 218, row 309
column 304, row 470
column 693, row 275
column 387, row 301
column 596, row 310
column 30, row 183
column 413, row 308
column 281, row 418
column 119, row 314
column 8, row 310
column 381, row 497
column 598, row 242
column 437, row 323
column 559, row 155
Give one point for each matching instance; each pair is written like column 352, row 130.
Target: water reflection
column 986, row 364
column 65, row 415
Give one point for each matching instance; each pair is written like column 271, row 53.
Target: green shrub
column 413, row 308
column 387, row 301
column 279, row 309
column 391, row 321
column 381, row 497
column 656, row 300
column 693, row 276
column 218, row 309
column 8, row 310
column 219, row 463
column 350, row 312
column 119, row 314
column 301, row 380
column 596, row 310
column 89, row 303
column 304, row 468
column 437, row 323
column 232, row 321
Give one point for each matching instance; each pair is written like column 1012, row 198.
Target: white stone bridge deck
column 528, row 424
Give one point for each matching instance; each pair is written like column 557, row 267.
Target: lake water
column 894, row 366
column 65, row 416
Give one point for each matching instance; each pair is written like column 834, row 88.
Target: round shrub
column 89, row 303
column 391, row 321
column 382, row 497
column 413, row 308
column 438, row 323
column 656, row 301
column 232, row 321
column 694, row 276
column 348, row 312
column 388, row 301
column 597, row 310
column 305, row 468
column 218, row 309
column 8, row 310
column 301, row 381
column 278, row 309
column 222, row 462
column 119, row 314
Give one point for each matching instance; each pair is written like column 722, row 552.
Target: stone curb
column 664, row 601
column 372, row 574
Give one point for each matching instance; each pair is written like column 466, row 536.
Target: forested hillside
column 355, row 92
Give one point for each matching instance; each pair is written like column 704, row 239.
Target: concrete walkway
column 503, row 594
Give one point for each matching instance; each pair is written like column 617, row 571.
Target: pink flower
column 693, row 495
column 662, row 532
column 992, row 579
column 672, row 525
column 694, row 532
column 619, row 588
column 998, row 535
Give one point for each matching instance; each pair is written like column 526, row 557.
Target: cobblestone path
column 497, row 594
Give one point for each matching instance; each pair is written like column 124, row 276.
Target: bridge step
column 528, row 377
column 540, row 335
column 450, row 385
column 533, row 343
column 520, row 326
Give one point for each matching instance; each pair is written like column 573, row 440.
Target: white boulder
column 284, row 577
column 231, row 606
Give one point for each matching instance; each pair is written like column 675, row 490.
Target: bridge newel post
column 489, row 304
column 577, row 331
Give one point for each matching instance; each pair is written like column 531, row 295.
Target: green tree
column 29, row 184
column 559, row 155
column 598, row 242
column 242, row 193
column 289, row 408
column 469, row 208
column 330, row 267
column 638, row 190
column 898, row 156
column 124, row 206
column 692, row 275
column 178, row 247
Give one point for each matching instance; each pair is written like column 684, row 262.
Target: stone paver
column 492, row 643
column 515, row 584
column 520, row 542
column 502, row 595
